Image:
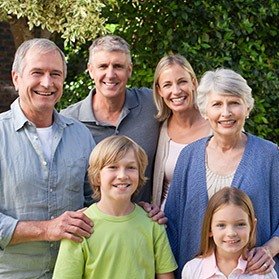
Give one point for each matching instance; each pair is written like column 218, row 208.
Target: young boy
column 125, row 242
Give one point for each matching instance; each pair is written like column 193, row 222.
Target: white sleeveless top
column 174, row 151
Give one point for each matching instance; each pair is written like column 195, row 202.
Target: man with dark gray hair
column 43, row 165
column 111, row 108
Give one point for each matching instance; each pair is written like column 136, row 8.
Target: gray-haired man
column 43, row 165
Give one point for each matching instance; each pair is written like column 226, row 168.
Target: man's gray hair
column 43, row 45
column 109, row 43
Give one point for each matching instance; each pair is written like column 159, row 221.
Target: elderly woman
column 230, row 157
column 174, row 92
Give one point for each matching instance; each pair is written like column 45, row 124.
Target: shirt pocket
column 76, row 172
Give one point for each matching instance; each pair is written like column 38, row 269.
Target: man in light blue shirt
column 43, row 164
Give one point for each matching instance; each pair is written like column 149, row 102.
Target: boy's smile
column 122, row 186
column 120, row 180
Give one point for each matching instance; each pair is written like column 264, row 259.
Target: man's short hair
column 43, row 45
column 109, row 43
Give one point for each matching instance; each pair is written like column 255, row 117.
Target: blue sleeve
column 275, row 189
column 7, row 227
column 87, row 189
column 174, row 204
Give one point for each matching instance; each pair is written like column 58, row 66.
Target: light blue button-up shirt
column 34, row 188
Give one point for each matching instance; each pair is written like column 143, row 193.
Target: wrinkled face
column 40, row 85
column 176, row 87
column 230, row 229
column 120, row 180
column 226, row 113
column 110, row 71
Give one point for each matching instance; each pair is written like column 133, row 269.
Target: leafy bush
column 240, row 34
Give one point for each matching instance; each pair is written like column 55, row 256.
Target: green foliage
column 78, row 83
column 240, row 34
column 75, row 20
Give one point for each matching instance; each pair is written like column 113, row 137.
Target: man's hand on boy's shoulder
column 154, row 212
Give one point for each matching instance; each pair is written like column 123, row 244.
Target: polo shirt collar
column 86, row 112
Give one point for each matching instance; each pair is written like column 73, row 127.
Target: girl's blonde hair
column 111, row 150
column 226, row 196
column 169, row 60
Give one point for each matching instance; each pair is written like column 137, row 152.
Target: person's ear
column 248, row 112
column 255, row 223
column 90, row 70
column 98, row 180
column 15, row 77
column 130, row 70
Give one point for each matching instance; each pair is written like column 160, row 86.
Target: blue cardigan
column 257, row 175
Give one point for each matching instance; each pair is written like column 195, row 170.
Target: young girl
column 125, row 242
column 228, row 233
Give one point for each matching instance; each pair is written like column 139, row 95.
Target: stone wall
column 7, row 51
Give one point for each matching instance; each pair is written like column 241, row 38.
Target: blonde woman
column 174, row 91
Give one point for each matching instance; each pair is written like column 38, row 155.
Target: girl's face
column 230, row 229
column 120, row 179
column 176, row 87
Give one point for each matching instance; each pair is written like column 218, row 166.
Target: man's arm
column 70, row 225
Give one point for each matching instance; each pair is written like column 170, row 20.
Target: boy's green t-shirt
column 131, row 246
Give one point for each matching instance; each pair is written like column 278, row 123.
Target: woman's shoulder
column 197, row 146
column 261, row 144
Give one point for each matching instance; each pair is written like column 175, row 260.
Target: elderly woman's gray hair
column 225, row 82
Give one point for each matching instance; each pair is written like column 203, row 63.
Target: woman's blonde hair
column 111, row 150
column 172, row 59
column 226, row 196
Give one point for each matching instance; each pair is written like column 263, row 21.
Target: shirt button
column 44, row 163
column 52, row 217
column 51, row 190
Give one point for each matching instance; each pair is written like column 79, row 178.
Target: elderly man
column 43, row 164
column 111, row 108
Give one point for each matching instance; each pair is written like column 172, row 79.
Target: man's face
column 40, row 84
column 110, row 71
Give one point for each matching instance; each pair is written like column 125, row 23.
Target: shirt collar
column 20, row 119
column 210, row 267
column 86, row 112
